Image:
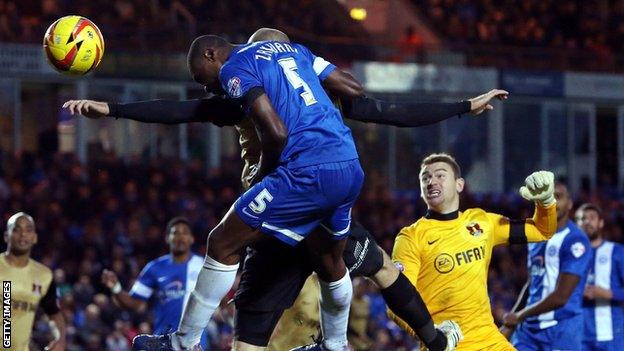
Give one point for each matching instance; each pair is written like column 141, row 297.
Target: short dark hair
column 590, row 207
column 176, row 220
column 442, row 157
column 203, row 42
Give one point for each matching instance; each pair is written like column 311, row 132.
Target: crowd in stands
column 592, row 28
column 111, row 214
column 581, row 29
column 167, row 25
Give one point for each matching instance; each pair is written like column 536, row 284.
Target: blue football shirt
column 168, row 284
column 568, row 251
column 604, row 319
column 291, row 75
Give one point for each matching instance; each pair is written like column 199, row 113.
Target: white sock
column 214, row 281
column 335, row 301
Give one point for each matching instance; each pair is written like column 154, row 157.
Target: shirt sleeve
column 238, row 78
column 574, row 255
column 542, row 226
column 322, row 67
column 49, row 302
column 406, row 258
column 145, row 284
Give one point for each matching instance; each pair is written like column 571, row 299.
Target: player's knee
column 387, row 274
column 331, row 270
column 221, row 249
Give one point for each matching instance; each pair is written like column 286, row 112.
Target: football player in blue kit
column 309, row 175
column 604, row 293
column 258, row 305
column 558, row 268
column 165, row 282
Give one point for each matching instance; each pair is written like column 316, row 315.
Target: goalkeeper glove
column 539, row 187
column 453, row 334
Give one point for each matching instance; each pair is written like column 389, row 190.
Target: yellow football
column 73, row 45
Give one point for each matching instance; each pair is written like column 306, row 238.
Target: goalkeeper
column 446, row 253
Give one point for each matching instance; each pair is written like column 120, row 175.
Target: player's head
column 589, row 218
column 441, row 182
column 272, row 34
column 205, row 58
column 20, row 234
column 179, row 236
column 564, row 201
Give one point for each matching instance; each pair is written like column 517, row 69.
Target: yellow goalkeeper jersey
column 447, row 257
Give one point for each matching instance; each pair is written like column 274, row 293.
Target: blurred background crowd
column 486, row 28
column 108, row 209
column 111, row 214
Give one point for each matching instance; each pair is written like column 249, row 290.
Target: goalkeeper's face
column 440, row 188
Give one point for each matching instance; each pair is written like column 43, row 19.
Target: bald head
column 272, row 34
column 12, row 221
column 20, row 235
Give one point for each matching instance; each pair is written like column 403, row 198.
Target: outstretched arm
column 217, row 110
column 403, row 114
column 414, row 114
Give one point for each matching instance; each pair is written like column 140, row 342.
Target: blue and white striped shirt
column 604, row 319
column 568, row 251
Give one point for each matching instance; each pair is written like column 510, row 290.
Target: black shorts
column 274, row 273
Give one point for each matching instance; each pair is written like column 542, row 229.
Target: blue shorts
column 290, row 203
column 567, row 335
column 617, row 344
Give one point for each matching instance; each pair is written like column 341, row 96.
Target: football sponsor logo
column 444, row 263
column 537, row 266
